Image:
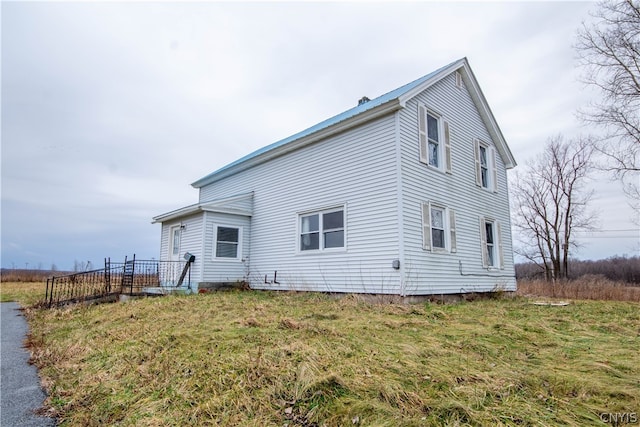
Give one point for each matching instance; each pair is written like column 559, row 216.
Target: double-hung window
column 434, row 139
column 322, row 230
column 486, row 173
column 227, row 242
column 438, row 228
column 491, row 243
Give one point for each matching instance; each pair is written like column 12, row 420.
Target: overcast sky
column 111, row 110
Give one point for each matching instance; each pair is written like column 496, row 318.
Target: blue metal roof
column 361, row 108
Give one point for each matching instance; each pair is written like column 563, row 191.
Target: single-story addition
column 403, row 194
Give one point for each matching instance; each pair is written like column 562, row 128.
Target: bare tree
column 550, row 203
column 609, row 51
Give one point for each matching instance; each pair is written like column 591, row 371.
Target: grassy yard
column 299, row 359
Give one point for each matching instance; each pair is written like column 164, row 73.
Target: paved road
column 20, row 391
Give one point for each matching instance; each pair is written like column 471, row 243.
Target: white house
column 403, row 194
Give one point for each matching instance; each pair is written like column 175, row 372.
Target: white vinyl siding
column 461, row 270
column 356, row 169
column 226, row 269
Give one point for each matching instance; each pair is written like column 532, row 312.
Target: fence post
column 53, row 280
column 133, row 273
column 107, row 275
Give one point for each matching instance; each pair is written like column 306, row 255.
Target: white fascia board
column 487, row 116
column 381, row 110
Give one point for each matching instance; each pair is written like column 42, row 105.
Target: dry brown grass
column 592, row 287
column 9, row 275
column 303, row 359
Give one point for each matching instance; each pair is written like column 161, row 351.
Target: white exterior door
column 175, row 237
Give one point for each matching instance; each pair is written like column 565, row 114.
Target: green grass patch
column 262, row 358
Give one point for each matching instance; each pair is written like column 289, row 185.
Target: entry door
column 175, row 236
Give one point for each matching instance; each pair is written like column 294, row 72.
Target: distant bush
column 616, row 269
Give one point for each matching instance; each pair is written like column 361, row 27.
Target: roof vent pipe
column 363, row 100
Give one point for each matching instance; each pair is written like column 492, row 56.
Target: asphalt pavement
column 20, row 390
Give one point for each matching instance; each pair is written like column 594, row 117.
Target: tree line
column 616, row 269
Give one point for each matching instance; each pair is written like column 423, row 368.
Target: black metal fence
column 131, row 277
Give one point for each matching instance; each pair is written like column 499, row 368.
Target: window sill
column 435, row 169
column 234, row 260
column 322, row 252
column 488, row 190
column 438, row 251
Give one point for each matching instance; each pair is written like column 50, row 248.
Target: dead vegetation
column 588, row 287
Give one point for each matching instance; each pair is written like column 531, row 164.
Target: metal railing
column 131, row 277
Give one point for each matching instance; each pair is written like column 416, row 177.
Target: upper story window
column 484, row 167
column 322, row 230
column 434, row 140
column 433, row 135
column 486, row 173
column 438, row 228
column 228, row 242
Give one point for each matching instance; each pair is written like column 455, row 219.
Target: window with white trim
column 438, row 228
column 435, row 145
column 322, row 230
column 486, row 173
column 491, row 243
column 227, row 242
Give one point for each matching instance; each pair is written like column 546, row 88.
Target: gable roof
column 384, row 104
